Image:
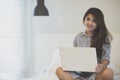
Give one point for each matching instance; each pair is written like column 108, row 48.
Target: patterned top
column 82, row 40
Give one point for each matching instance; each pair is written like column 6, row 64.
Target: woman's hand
column 100, row 68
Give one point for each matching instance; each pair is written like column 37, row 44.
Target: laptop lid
column 78, row 58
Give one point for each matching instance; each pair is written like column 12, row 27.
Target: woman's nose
column 90, row 22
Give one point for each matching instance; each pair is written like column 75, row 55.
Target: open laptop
column 78, row 58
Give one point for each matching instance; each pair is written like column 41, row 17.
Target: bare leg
column 62, row 75
column 107, row 74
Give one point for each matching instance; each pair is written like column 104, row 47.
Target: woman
column 96, row 35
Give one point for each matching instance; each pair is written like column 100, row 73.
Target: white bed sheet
column 47, row 76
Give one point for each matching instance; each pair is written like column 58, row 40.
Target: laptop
column 78, row 58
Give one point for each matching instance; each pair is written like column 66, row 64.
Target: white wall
column 65, row 17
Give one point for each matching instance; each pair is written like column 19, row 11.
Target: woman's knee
column 107, row 74
column 59, row 71
column 63, row 75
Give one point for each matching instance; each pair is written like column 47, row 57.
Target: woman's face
column 90, row 23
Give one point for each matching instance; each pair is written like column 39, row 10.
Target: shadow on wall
column 40, row 9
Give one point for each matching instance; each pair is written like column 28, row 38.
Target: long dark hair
column 101, row 35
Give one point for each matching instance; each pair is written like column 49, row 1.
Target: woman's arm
column 105, row 58
column 75, row 42
column 105, row 62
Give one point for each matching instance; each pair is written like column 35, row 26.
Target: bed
column 48, row 72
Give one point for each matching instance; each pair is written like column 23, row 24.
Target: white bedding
column 45, row 74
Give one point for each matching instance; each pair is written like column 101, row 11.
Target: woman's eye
column 94, row 20
column 88, row 19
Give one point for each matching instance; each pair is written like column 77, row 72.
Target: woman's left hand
column 100, row 68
